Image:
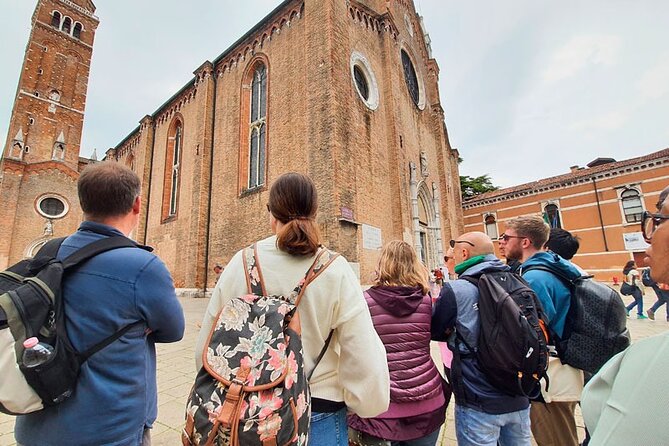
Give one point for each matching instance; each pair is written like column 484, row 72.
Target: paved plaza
column 176, row 371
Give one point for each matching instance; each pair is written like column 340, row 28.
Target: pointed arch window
column 257, row 127
column 172, row 177
column 253, row 126
column 55, row 19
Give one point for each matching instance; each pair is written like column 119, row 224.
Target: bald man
column 483, row 414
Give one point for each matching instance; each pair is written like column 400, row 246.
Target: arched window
column 632, row 207
column 257, row 127
column 76, row 32
column 55, row 19
column 253, row 151
column 173, row 169
column 67, row 25
column 410, row 77
column 552, row 216
column 491, row 226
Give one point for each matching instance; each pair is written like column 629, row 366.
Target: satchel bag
column 357, row 438
column 626, row 289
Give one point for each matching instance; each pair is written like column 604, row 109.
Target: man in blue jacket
column 115, row 401
column 553, row 422
column 483, row 414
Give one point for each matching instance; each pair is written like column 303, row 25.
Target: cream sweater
column 354, row 368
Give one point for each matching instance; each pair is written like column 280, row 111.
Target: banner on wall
column 634, row 241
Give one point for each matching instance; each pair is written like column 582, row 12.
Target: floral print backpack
column 252, row 388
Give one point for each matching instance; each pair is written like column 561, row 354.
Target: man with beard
column 523, row 240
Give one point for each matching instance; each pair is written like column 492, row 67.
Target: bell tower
column 40, row 159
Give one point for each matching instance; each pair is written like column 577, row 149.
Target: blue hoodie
column 553, row 293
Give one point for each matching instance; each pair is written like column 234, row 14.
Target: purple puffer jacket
column 401, row 317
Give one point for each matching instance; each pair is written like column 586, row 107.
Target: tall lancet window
column 172, row 176
column 258, row 127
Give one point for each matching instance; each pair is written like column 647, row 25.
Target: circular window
column 364, row 80
column 51, row 206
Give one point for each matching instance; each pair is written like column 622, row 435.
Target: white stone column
column 413, row 188
column 437, row 224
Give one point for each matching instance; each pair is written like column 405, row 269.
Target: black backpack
column 31, row 305
column 512, row 344
column 596, row 325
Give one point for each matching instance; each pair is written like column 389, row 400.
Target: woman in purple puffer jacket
column 401, row 309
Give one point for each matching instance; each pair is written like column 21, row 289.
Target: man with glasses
column 553, row 422
column 626, row 401
column 483, row 414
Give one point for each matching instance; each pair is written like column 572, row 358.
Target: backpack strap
column 107, row 341
column 50, row 248
column 97, row 247
column 254, row 281
column 323, row 259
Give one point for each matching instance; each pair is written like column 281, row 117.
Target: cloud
column 580, row 52
column 612, row 120
column 654, row 83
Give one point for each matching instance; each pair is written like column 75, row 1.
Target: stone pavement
column 176, row 372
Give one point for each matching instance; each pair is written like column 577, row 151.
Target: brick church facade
column 40, row 162
column 345, row 91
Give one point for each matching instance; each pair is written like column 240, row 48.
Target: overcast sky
column 529, row 87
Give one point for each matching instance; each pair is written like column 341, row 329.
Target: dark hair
column 293, row 201
column 661, row 198
column 629, row 266
column 562, row 243
column 107, row 189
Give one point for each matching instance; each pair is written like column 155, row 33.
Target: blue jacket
column 457, row 308
column 116, row 396
column 554, row 295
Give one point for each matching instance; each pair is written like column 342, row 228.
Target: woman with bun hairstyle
column 401, row 310
column 352, row 374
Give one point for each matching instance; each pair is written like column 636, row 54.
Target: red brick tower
column 40, row 160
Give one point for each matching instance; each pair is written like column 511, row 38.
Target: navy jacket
column 457, row 308
column 116, row 396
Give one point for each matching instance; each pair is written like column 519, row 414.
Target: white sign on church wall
column 371, row 237
column 634, row 241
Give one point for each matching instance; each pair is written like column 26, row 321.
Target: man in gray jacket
column 483, row 414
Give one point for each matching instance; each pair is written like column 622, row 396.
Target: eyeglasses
column 506, row 237
column 650, row 222
column 453, row 242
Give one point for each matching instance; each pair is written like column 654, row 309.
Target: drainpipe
column 599, row 210
column 148, row 191
column 211, row 174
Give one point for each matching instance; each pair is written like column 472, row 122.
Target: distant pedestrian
column 116, row 401
column 632, row 279
column 661, row 291
column 401, row 309
column 218, row 269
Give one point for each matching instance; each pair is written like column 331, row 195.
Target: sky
column 529, row 87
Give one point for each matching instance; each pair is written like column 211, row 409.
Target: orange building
column 602, row 204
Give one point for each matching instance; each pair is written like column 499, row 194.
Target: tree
column 473, row 186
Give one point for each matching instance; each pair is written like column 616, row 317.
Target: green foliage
column 473, row 186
